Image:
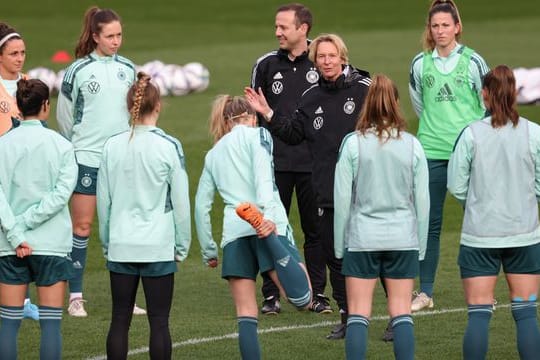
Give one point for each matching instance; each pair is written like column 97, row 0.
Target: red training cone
column 61, row 57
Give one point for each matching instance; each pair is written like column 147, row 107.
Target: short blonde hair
column 338, row 42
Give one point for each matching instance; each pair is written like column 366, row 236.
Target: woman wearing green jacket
column 144, row 222
column 380, row 227
column 494, row 172
column 37, row 174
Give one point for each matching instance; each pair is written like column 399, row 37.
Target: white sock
column 75, row 296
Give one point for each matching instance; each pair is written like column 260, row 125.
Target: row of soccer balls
column 171, row 79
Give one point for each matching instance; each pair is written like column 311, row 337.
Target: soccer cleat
column 138, row 311
column 388, row 334
column 30, row 311
column 271, row 306
column 338, row 332
column 76, row 308
column 421, row 301
column 320, row 304
column 250, row 213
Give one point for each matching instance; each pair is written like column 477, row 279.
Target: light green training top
column 92, row 103
column 495, row 174
column 239, row 167
column 38, row 173
column 7, row 221
column 381, row 194
column 143, row 197
column 446, row 95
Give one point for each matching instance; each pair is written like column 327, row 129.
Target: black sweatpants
column 287, row 182
column 158, row 293
column 334, row 264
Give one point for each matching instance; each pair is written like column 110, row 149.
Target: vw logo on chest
column 318, row 122
column 277, row 87
column 94, row 87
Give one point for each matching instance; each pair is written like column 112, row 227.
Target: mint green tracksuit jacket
column 143, row 197
column 381, row 194
column 495, row 174
column 92, row 103
column 38, row 173
column 240, row 168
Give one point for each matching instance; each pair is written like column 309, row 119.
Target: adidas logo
column 319, row 110
column 278, row 76
column 284, row 261
column 77, row 265
column 445, row 94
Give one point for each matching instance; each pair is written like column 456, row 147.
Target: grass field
column 227, row 36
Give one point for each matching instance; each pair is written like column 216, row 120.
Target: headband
column 7, row 37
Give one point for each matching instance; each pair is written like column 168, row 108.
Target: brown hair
column 438, row 6
column 5, row 30
column 499, row 87
column 31, row 95
column 302, row 14
column 338, row 42
column 94, row 19
column 142, row 99
column 381, row 109
column 228, row 110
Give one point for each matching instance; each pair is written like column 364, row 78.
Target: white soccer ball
column 166, row 74
column 197, row 76
column 46, row 75
column 59, row 78
column 179, row 84
column 159, row 81
column 152, row 68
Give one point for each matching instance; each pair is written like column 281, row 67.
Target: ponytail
column 500, row 96
column 93, row 21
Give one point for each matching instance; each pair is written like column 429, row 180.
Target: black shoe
column 320, row 304
column 338, row 332
column 271, row 306
column 388, row 334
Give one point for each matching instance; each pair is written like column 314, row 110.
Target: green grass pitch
column 227, row 37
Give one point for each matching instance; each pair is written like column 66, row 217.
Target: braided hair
column 142, row 99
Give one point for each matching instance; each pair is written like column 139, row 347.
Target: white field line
column 272, row 329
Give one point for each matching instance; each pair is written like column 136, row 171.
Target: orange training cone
column 61, row 57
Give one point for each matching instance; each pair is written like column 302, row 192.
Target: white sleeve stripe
column 365, row 81
column 254, row 72
column 483, row 68
column 74, row 69
column 309, row 88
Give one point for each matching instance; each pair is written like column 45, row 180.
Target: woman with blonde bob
column 326, row 112
column 494, row 172
column 380, row 233
column 239, row 167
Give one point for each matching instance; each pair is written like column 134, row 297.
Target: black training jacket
column 283, row 81
column 327, row 112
